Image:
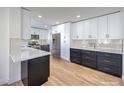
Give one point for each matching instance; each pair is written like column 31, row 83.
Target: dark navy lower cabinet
column 45, row 47
column 107, row 62
column 89, row 58
column 36, row 71
column 110, row 63
column 75, row 56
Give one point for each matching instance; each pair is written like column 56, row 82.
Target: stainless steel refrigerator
column 56, row 45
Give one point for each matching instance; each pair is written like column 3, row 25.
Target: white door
column 93, row 28
column 102, row 27
column 26, row 23
column 114, row 26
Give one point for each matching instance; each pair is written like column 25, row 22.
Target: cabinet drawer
column 75, row 52
column 76, row 60
column 110, row 69
column 88, row 52
column 89, row 63
column 110, row 55
column 111, row 61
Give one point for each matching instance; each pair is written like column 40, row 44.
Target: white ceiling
column 50, row 15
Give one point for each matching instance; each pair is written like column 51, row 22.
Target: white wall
column 15, row 22
column 4, row 45
column 15, row 43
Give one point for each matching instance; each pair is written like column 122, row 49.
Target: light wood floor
column 63, row 73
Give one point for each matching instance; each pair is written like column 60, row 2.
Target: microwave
column 34, row 36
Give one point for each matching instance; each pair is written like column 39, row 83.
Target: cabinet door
column 54, row 29
column 102, row 27
column 114, row 26
column 74, row 31
column 80, row 28
column 43, row 34
column 32, row 31
column 26, row 18
column 77, row 30
column 86, row 29
column 93, row 28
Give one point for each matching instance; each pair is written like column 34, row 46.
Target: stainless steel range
column 34, row 44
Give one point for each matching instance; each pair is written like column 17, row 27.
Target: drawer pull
column 88, row 52
column 107, row 61
column 87, row 57
column 107, row 68
column 107, row 55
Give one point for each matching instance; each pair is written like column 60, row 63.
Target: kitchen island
column 34, row 66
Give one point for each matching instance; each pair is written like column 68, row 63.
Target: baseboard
column 3, row 82
column 14, row 79
column 123, row 79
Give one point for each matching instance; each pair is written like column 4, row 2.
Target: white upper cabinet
column 114, row 26
column 77, row 30
column 54, row 29
column 26, row 24
column 74, row 31
column 44, row 34
column 102, row 27
column 35, row 31
column 57, row 29
column 93, row 33
column 105, row 27
column 109, row 27
column 86, row 29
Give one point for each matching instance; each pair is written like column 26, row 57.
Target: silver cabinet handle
column 88, row 52
column 107, row 61
column 107, row 68
column 107, row 55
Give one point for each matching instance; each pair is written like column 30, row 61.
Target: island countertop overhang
column 27, row 53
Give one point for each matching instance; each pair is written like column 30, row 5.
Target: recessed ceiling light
column 39, row 16
column 78, row 16
column 57, row 22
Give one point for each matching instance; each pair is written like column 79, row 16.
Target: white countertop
column 28, row 53
column 101, row 50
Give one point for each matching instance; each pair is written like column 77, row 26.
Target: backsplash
column 42, row 42
column 116, row 44
column 111, row 44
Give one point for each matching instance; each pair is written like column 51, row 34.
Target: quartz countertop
column 27, row 54
column 101, row 50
